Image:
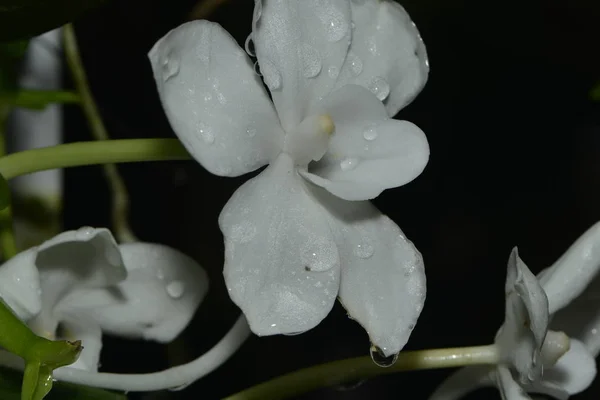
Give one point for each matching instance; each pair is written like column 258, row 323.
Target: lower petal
column 382, row 280
column 368, row 152
column 281, row 262
column 20, row 285
column 462, row 382
column 509, row 388
column 157, row 300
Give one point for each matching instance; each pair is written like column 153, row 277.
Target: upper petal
column 387, row 54
column 214, row 100
column 368, row 152
column 382, row 280
column 157, row 300
column 521, row 337
column 462, row 382
column 300, row 46
column 20, row 285
column 281, row 262
column 568, row 277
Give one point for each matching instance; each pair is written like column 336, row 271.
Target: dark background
column 515, row 146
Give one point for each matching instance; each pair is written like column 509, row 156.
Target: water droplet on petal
column 364, row 250
column 380, row 359
column 335, row 24
column 160, row 274
column 251, row 132
column 249, row 46
column 206, row 133
column 175, row 289
column 318, row 257
column 356, row 64
column 84, row 233
column 333, row 72
column 271, row 76
column 311, row 61
column 372, row 43
column 170, row 66
column 380, row 88
column 370, row 132
column 348, row 164
column 207, row 96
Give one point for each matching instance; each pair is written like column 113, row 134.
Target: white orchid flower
column 81, row 283
column 301, row 233
column 565, row 366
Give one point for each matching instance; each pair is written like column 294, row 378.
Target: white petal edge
column 368, row 152
column 281, row 262
column 568, row 277
column 161, row 294
column 300, row 44
column 20, row 285
column 214, row 100
column 387, row 54
column 382, row 284
column 80, row 327
column 462, row 382
column 508, row 387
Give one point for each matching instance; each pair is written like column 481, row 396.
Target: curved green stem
column 38, row 99
column 91, row 153
column 120, row 208
column 8, row 244
column 354, row 369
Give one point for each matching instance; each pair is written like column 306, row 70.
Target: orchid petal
column 382, row 282
column 20, row 285
column 463, row 382
column 281, row 262
column 574, row 372
column 300, row 46
column 80, row 327
column 387, row 54
column 157, row 300
column 568, row 277
column 509, row 388
column 521, row 337
column 214, row 100
column 368, row 152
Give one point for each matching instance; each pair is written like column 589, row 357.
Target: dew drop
column 249, row 46
column 370, row 132
column 380, row 88
column 84, row 233
column 170, row 67
column 333, row 72
column 160, row 274
column 372, row 43
column 335, row 24
column 251, row 132
column 348, row 164
column 380, row 359
column 356, row 64
column 175, row 289
column 311, row 61
column 207, row 96
column 271, row 76
column 206, row 133
column 317, row 257
column 364, row 250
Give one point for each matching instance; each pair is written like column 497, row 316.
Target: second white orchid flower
column 302, row 234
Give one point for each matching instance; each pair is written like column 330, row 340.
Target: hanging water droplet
column 249, row 46
column 311, row 61
column 251, row 132
column 333, row 72
column 170, row 66
column 364, row 250
column 175, row 289
column 370, row 132
column 335, row 24
column 348, row 164
column 380, row 359
column 380, row 88
column 206, row 133
column 356, row 64
column 271, row 76
column 84, row 233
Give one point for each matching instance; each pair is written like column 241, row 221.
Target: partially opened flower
column 81, row 283
column 565, row 366
column 301, row 233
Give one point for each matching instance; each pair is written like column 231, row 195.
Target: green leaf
column 4, row 193
column 10, row 389
column 21, row 19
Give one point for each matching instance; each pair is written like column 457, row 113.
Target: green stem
column 359, row 368
column 8, row 244
column 120, row 209
column 37, row 99
column 91, row 153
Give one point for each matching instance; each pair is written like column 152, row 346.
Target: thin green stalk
column 91, row 153
column 8, row 245
column 38, row 99
column 120, row 209
column 353, row 369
